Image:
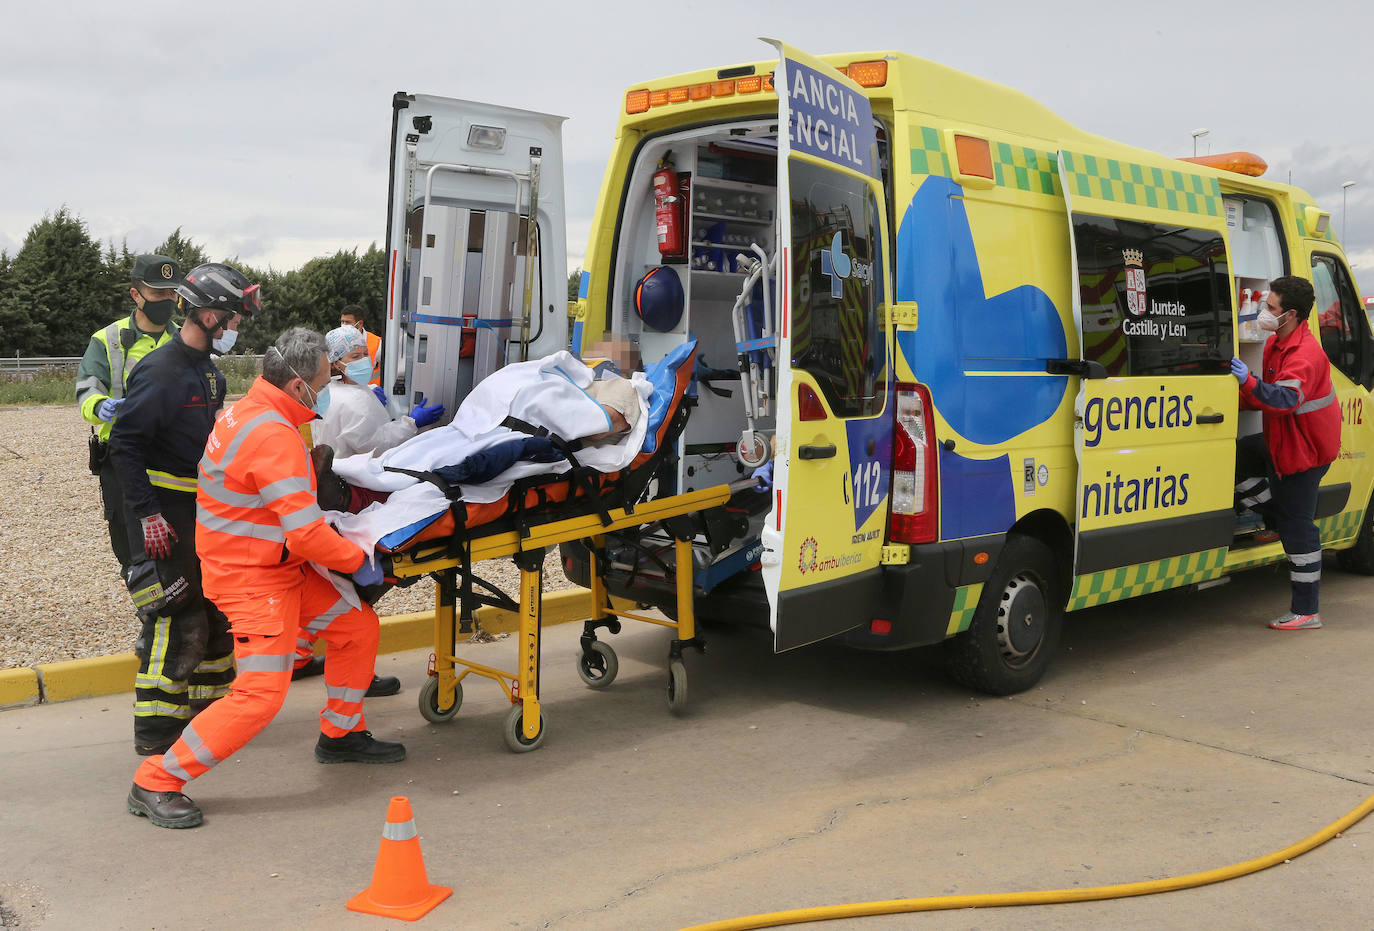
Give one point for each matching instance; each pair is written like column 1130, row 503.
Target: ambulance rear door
column 824, row 536
column 1155, row 427
column 471, row 284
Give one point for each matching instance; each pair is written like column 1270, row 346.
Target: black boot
column 358, row 747
column 383, row 685
column 165, row 809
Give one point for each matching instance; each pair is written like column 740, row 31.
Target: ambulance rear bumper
column 916, row 599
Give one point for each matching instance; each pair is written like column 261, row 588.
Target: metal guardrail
column 20, row 364
column 17, row 364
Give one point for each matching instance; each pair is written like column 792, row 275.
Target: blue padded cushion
column 663, row 376
column 399, row 538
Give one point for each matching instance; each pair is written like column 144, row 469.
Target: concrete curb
column 111, row 675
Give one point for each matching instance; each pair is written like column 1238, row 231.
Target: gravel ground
column 67, row 600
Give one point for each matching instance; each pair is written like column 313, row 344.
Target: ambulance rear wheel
column 1360, row 557
column 514, row 734
column 597, row 667
column 1016, row 626
column 429, row 702
column 677, row 686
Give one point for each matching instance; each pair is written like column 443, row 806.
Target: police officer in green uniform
column 104, row 372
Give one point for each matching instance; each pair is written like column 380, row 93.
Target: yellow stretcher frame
column 524, row 730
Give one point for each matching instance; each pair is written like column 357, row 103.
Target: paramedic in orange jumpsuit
column 258, row 523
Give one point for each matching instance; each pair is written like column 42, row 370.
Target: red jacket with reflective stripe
column 1302, row 415
column 257, row 516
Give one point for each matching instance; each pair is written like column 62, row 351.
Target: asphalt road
column 1174, row 734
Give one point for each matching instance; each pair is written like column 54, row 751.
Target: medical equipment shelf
column 524, row 728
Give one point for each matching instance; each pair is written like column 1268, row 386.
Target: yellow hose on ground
column 1047, row 897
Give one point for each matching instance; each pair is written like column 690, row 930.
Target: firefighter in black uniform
column 185, row 652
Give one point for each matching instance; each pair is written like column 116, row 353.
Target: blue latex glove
column 1240, row 370
column 381, row 395
column 106, row 409
column 424, row 416
column 763, row 476
column 369, row 573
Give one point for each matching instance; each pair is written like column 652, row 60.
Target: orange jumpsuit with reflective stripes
column 257, row 523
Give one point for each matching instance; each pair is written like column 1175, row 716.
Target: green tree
column 574, row 283
column 187, row 253
column 313, row 295
column 119, row 268
column 58, row 289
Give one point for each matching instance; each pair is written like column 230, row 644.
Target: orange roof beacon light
column 637, row 101
column 867, row 73
column 1242, row 163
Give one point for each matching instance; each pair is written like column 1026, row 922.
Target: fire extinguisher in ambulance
column 668, row 211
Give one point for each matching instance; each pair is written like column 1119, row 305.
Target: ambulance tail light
column 915, row 491
column 809, row 406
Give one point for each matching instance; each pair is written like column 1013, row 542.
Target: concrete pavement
column 1175, row 733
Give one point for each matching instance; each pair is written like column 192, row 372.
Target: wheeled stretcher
column 539, row 512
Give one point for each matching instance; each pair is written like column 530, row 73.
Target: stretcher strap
column 451, row 492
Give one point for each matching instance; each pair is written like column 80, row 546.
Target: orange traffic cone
column 400, row 888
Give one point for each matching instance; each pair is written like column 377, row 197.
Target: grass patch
column 57, row 384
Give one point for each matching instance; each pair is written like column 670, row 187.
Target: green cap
column 157, row 271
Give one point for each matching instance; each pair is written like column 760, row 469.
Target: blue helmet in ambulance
column 659, row 299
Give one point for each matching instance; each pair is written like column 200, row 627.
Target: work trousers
column 112, row 498
column 265, row 626
column 1289, row 504
column 185, row 656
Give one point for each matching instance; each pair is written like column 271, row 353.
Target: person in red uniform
column 1279, row 471
column 258, row 522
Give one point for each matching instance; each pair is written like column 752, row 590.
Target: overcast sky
column 262, row 128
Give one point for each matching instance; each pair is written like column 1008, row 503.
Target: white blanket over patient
column 549, row 392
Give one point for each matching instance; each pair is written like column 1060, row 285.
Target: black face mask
column 158, row 312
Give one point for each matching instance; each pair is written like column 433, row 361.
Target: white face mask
column 223, row 344
column 1267, row 320
column 359, row 371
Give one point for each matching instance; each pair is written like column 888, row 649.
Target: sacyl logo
column 840, row 266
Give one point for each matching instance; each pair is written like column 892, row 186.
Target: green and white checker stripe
column 1023, row 168
column 1120, row 182
column 1340, row 527
column 1128, row 581
column 961, row 614
column 928, row 153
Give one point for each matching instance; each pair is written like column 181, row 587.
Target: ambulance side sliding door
column 1157, row 409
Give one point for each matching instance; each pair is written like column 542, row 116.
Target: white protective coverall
column 549, row 392
column 356, row 423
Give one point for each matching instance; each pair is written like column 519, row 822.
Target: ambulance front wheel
column 429, row 702
column 1016, row 626
column 598, row 665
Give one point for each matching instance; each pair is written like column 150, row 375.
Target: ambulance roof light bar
column 1242, row 163
column 642, row 99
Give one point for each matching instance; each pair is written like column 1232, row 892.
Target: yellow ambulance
column 990, row 350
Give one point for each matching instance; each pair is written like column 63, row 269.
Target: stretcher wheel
column 677, row 686
column 515, row 731
column 429, row 702
column 598, row 665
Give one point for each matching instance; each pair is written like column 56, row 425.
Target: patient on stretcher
column 522, row 420
column 618, row 401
